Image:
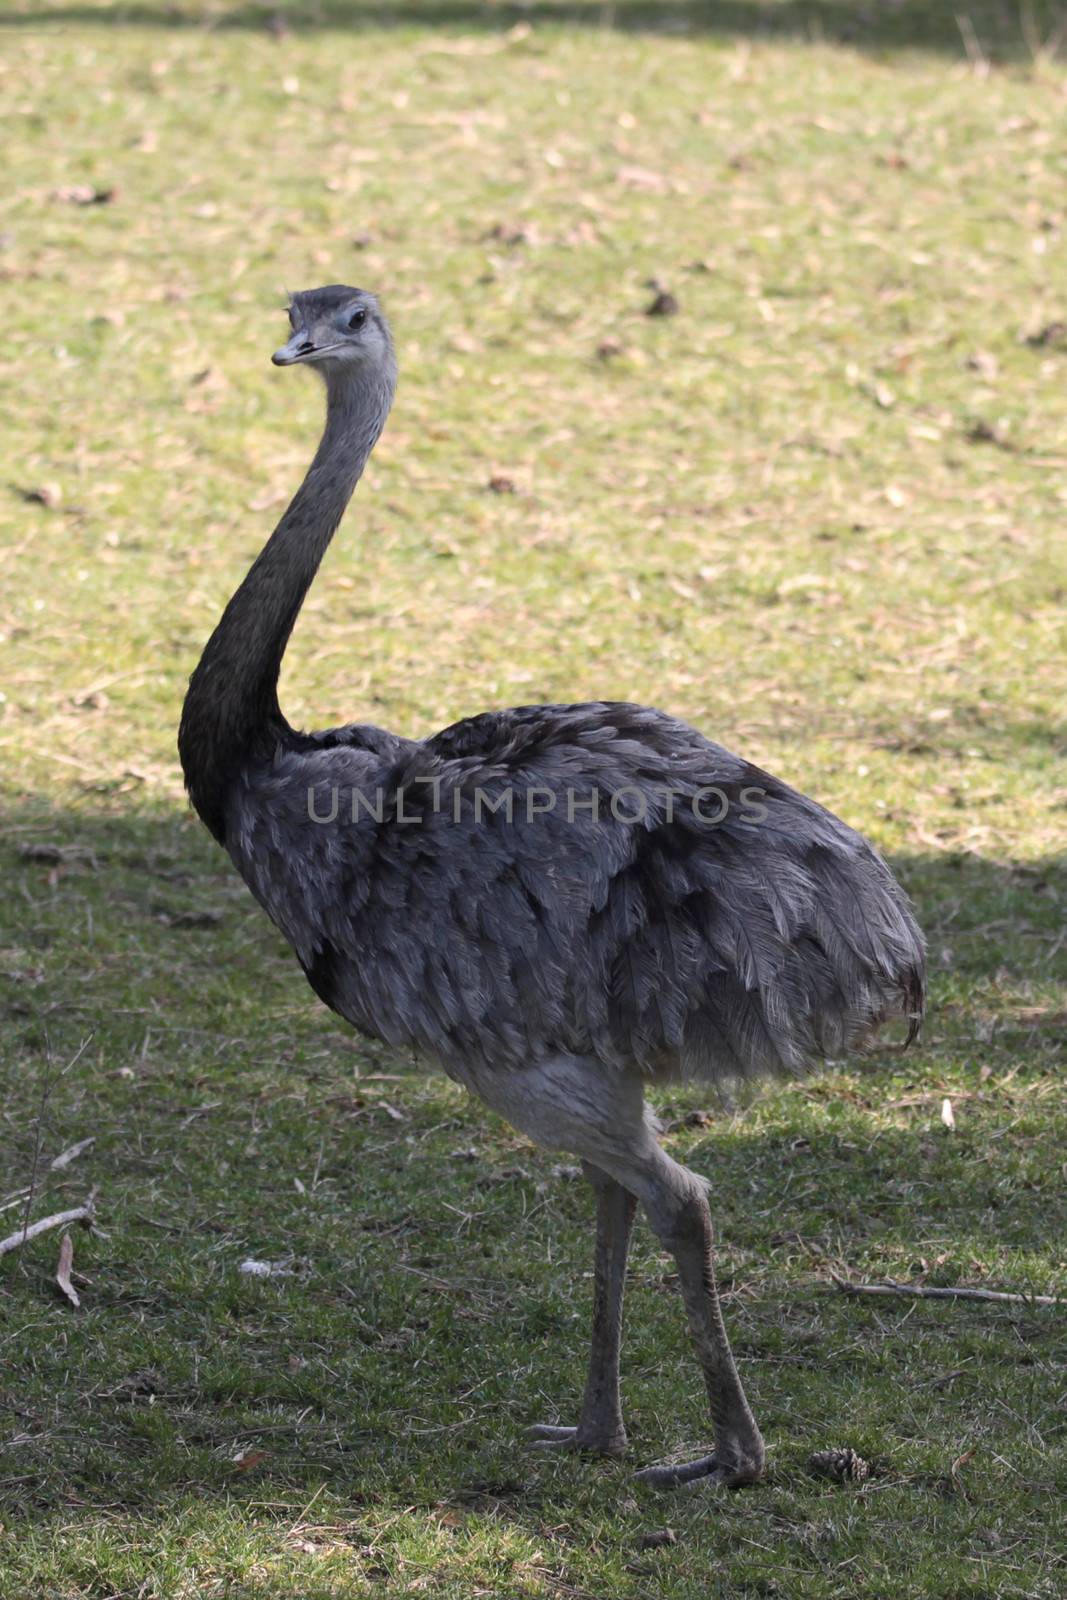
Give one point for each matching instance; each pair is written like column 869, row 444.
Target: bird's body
column 598, row 880
column 554, row 902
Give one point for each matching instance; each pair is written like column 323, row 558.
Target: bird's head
column 337, row 330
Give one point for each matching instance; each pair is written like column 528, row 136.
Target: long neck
column 231, row 709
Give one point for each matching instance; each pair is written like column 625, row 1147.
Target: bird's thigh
column 572, row 1103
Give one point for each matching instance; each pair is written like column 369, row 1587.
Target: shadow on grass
column 357, row 1378
column 993, row 29
column 133, row 924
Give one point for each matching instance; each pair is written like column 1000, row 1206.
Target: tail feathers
column 797, row 977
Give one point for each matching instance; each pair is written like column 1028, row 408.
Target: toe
column 544, row 1433
column 547, row 1436
column 682, row 1472
column 705, row 1471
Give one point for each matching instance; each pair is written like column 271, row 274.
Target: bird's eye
column 358, row 318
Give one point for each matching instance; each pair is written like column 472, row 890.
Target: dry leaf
column 656, row 1537
column 85, row 194
column 49, row 495
column 984, row 363
column 95, row 700
column 269, row 498
column 268, row 1269
column 801, row 583
column 642, row 178
column 514, row 233
column 249, row 1459
column 205, row 918
column 256, row 1269
column 42, row 852
column 664, row 305
column 1053, row 334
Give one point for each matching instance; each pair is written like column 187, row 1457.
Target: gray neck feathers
column 231, row 710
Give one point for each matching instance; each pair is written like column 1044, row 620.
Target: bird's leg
column 600, row 1426
column 678, row 1210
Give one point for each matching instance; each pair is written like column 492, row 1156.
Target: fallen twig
column 85, row 1214
column 943, row 1292
column 66, row 1262
column 47, row 1086
column 65, row 1157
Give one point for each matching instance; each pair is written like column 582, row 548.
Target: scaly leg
column 678, row 1210
column 600, row 1427
column 579, row 1103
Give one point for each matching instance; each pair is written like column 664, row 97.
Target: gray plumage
column 699, row 948
column 554, row 902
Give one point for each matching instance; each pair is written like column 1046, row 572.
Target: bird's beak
column 298, row 349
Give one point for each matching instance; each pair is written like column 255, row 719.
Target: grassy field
column 818, row 512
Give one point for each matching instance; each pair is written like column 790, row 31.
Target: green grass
column 819, row 513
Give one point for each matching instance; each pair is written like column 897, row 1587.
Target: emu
column 558, row 904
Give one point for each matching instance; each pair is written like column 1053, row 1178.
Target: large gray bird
column 558, row 904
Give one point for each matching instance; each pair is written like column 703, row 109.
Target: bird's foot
column 592, row 1441
column 704, row 1472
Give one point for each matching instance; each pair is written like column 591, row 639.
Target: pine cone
column 844, row 1466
